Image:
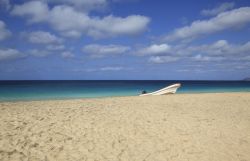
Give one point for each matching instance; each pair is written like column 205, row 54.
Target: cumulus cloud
column 85, row 5
column 223, row 21
column 154, row 49
column 42, row 37
column 216, row 48
column 163, row 59
column 4, row 33
column 67, row 55
column 10, row 54
column 218, row 51
column 98, row 51
column 36, row 11
column 220, row 48
column 219, row 9
column 111, row 26
column 79, row 23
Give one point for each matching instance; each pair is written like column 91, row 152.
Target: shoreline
column 108, row 97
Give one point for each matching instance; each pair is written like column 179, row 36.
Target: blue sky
column 124, row 39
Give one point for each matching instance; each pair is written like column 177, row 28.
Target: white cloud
column 4, row 33
column 220, row 50
column 216, row 48
column 98, row 51
column 111, row 26
column 35, row 11
column 67, row 19
column 154, row 49
column 55, row 47
column 73, row 23
column 198, row 70
column 111, row 68
column 45, row 53
column 85, row 5
column 72, row 34
column 67, row 55
column 219, row 9
column 42, row 37
column 5, row 4
column 202, row 58
column 163, row 59
column 106, row 69
column 103, row 69
column 223, row 21
column 10, row 54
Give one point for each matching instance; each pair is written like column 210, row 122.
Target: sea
column 65, row 89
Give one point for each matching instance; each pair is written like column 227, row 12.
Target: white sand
column 183, row 127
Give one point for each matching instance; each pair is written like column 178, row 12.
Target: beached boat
column 167, row 90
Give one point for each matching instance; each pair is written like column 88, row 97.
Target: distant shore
column 204, row 126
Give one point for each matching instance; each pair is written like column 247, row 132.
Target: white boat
column 167, row 90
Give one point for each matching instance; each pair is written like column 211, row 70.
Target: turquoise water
column 41, row 90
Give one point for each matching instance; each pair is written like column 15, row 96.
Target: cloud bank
column 218, row 51
column 223, row 21
column 73, row 23
column 99, row 51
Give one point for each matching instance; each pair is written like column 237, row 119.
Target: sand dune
column 182, row 127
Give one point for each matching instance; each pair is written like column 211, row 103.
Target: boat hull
column 164, row 91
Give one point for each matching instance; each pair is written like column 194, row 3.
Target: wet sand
column 181, row 127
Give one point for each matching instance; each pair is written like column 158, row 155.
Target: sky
column 124, row 40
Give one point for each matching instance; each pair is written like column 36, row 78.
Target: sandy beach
column 181, row 127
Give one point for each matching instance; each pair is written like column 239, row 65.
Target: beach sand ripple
column 181, row 127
